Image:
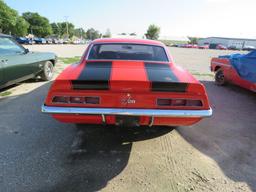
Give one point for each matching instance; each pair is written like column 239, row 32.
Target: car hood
column 44, row 55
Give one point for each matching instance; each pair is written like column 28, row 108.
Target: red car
column 127, row 82
column 203, row 47
column 221, row 47
column 225, row 72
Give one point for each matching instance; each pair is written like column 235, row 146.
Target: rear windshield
column 127, row 52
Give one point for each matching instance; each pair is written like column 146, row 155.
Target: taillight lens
column 164, row 102
column 179, row 102
column 92, row 100
column 194, row 103
column 60, row 99
column 76, row 100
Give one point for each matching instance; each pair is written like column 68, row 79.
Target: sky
column 176, row 18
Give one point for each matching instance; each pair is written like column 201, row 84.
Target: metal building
column 228, row 42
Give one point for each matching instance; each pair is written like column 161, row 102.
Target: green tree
column 92, row 34
column 38, row 25
column 62, row 28
column 11, row 22
column 193, row 40
column 153, row 32
column 79, row 32
column 21, row 27
column 56, row 29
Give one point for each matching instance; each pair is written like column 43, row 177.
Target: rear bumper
column 129, row 112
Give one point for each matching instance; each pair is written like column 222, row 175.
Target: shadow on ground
column 41, row 154
column 229, row 136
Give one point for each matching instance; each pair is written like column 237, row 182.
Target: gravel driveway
column 39, row 154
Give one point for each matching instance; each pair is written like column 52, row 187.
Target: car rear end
column 127, row 92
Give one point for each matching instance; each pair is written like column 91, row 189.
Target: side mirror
column 26, row 51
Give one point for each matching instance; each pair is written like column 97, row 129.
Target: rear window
column 127, row 52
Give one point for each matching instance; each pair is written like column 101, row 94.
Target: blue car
column 40, row 40
column 24, row 40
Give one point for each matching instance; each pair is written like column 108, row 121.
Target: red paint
column 128, row 78
column 230, row 73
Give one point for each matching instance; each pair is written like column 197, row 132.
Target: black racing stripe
column 90, row 85
column 169, row 87
column 94, row 76
column 163, row 79
column 160, row 73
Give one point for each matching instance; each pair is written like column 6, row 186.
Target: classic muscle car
column 127, row 82
column 19, row 64
column 225, row 72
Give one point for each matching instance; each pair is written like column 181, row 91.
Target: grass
column 69, row 60
column 6, row 93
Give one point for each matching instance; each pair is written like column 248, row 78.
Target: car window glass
column 127, row 52
column 9, row 47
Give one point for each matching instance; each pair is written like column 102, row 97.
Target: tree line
column 33, row 23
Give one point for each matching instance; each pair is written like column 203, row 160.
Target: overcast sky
column 201, row 18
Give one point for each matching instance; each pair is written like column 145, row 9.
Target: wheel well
column 217, row 68
column 53, row 62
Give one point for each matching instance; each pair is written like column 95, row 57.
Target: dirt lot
column 40, row 154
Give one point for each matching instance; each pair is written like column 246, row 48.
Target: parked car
column 48, row 41
column 127, row 82
column 221, row 47
column 203, row 47
column 233, row 47
column 248, row 48
column 18, row 64
column 225, row 72
column 60, row 41
column 40, row 40
column 24, row 40
column 190, row 46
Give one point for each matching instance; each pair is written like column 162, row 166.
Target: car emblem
column 128, row 100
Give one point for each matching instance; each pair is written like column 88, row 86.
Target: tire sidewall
column 217, row 79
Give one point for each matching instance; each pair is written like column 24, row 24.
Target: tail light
column 60, row 99
column 179, row 102
column 76, row 100
column 164, row 102
column 92, row 100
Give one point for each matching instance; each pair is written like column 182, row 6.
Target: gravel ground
column 39, row 154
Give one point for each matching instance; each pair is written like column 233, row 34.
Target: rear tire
column 220, row 78
column 47, row 72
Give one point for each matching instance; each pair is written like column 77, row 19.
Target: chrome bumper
column 131, row 112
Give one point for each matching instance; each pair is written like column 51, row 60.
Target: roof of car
column 126, row 40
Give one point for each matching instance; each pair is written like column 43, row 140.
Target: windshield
column 8, row 46
column 127, row 51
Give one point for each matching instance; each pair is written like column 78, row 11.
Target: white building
column 234, row 42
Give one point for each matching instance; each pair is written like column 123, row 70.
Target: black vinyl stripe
column 163, row 79
column 94, row 76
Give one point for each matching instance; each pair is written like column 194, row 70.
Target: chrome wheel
column 47, row 72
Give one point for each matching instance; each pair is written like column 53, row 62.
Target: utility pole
column 66, row 18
